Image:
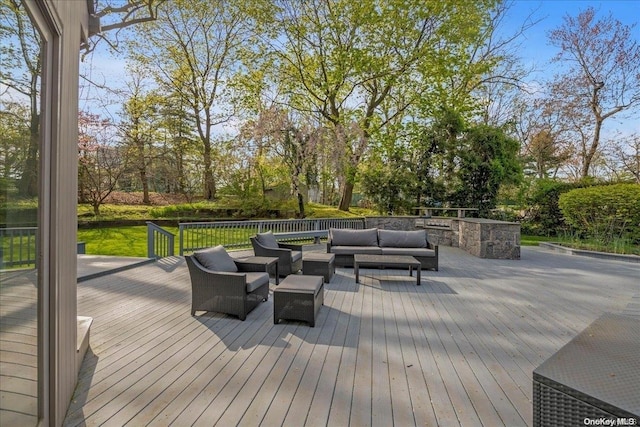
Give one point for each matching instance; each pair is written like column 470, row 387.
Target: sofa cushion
column 216, row 259
column 419, row 252
column 296, row 256
column 402, row 239
column 255, row 280
column 268, row 240
column 351, row 237
column 350, row 250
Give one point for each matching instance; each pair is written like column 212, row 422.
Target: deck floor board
column 457, row 350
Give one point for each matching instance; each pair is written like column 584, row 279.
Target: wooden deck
column 458, row 350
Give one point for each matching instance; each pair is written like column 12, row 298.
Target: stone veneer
column 487, row 238
column 484, row 238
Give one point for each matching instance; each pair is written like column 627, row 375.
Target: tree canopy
column 389, row 104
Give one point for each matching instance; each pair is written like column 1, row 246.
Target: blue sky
column 536, row 47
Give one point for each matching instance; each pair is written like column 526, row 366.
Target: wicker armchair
column 289, row 256
column 231, row 292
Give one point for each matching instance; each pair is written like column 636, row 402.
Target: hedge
column 604, row 212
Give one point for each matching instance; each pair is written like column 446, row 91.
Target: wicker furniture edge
column 224, row 292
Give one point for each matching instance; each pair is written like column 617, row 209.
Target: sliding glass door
column 23, row 205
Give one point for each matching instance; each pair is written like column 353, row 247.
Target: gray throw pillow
column 268, row 240
column 402, row 239
column 216, row 259
column 352, row 237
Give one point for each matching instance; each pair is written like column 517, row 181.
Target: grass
column 526, row 240
column 132, row 240
column 119, row 241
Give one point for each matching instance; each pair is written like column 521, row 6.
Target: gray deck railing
column 235, row 234
column 160, row 242
column 18, row 246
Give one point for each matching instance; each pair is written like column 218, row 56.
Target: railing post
column 150, row 241
column 181, row 228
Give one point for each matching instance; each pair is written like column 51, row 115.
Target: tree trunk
column 301, row 204
column 588, row 158
column 209, row 182
column 347, row 195
column 145, row 187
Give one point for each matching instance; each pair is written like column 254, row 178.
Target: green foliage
column 390, row 183
column 322, row 211
column 437, row 149
column 489, row 159
column 604, row 212
column 543, row 216
column 187, row 210
column 19, row 212
column 111, row 212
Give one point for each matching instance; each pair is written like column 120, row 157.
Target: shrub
column 543, row 217
column 604, row 212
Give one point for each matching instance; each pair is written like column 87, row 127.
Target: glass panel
column 20, row 72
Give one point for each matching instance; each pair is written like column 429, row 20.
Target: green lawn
column 120, row 241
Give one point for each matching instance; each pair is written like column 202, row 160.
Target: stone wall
column 490, row 239
column 391, row 222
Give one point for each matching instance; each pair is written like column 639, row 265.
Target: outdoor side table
column 267, row 261
column 298, row 297
column 596, row 375
column 319, row 264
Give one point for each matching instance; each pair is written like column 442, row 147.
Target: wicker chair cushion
column 349, row 237
column 403, row 239
column 255, row 280
column 296, row 256
column 216, row 259
column 268, row 240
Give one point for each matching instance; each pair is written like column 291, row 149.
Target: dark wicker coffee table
column 298, row 297
column 399, row 261
column 595, row 376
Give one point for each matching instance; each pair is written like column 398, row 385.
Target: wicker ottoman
column 319, row 264
column 298, row 297
column 593, row 377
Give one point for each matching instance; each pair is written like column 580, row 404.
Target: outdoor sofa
column 220, row 283
column 345, row 243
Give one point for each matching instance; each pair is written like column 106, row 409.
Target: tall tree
column 14, row 144
column 292, row 141
column 140, row 129
column 100, row 163
column 342, row 59
column 602, row 78
column 180, row 145
column 193, row 50
column 489, row 160
column 20, row 70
